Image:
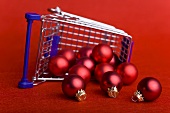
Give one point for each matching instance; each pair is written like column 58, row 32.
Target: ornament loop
column 137, row 97
column 113, row 92
column 81, row 95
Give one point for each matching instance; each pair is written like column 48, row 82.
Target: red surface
column 147, row 22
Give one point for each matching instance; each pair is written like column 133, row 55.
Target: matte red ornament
column 88, row 62
column 128, row 71
column 68, row 54
column 111, row 83
column 101, row 69
column 115, row 60
column 74, row 86
column 84, row 52
column 102, row 53
column 82, row 71
column 148, row 89
column 58, row 65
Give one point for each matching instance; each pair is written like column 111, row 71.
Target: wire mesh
column 74, row 33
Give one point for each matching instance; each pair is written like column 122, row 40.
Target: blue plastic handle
column 25, row 83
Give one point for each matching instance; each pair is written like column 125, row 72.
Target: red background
column 146, row 21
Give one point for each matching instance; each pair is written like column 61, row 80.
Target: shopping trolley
column 60, row 30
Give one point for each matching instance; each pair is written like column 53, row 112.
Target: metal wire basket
column 60, row 30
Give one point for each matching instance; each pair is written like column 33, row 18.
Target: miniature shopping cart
column 60, row 30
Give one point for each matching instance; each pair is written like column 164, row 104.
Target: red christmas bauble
column 115, row 60
column 149, row 89
column 102, row 53
column 82, row 71
column 84, row 52
column 111, row 83
column 58, row 65
column 88, row 62
column 69, row 55
column 101, row 69
column 72, row 84
column 128, row 71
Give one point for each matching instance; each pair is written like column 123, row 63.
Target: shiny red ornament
column 68, row 54
column 72, row 84
column 84, row 52
column 101, row 69
column 111, row 83
column 88, row 62
column 58, row 65
column 102, row 53
column 128, row 71
column 115, row 60
column 148, row 89
column 82, row 71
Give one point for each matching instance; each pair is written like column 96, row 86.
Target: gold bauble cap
column 137, row 97
column 81, row 95
column 112, row 92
